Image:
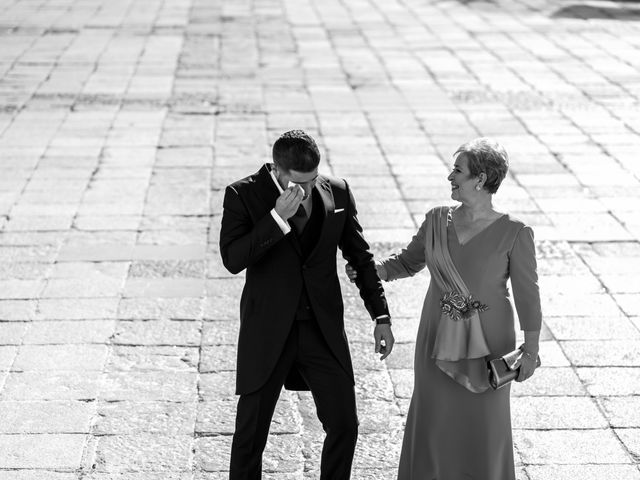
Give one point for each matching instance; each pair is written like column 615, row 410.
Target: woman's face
column 463, row 184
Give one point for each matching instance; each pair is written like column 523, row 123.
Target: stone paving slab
column 46, row 451
column 25, row 474
column 143, row 452
column 46, row 417
column 122, row 122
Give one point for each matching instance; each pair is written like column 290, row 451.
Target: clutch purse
column 503, row 370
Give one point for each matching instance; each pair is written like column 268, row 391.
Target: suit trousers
column 333, row 394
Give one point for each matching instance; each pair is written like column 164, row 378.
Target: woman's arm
column 400, row 265
column 406, row 263
column 524, row 280
column 526, row 295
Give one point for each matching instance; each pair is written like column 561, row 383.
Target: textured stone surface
column 82, row 287
column 218, row 358
column 220, row 332
column 552, row 382
column 46, row 385
column 21, row 310
column 7, row 356
column 154, row 417
column 36, row 475
column 370, row 445
column 631, row 439
column 592, row 328
column 610, row 381
column 213, row 453
column 556, row 413
column 160, row 308
column 622, row 411
column 587, row 446
column 52, row 451
column 219, row 385
column 13, row 333
column 378, row 416
column 585, row 472
column 144, row 452
column 612, row 353
column 122, row 123
column 175, row 386
column 217, row 417
column 157, row 333
column 70, row 332
column 61, row 357
column 77, row 309
column 158, row 358
column 164, row 287
column 46, row 416
column 165, row 475
column 173, row 269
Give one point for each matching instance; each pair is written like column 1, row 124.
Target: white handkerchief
column 338, row 210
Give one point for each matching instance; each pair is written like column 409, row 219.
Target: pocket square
column 338, row 210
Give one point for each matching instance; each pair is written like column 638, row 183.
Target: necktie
column 300, row 218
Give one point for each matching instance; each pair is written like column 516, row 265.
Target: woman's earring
column 478, row 187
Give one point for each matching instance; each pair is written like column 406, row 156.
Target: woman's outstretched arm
column 408, row 262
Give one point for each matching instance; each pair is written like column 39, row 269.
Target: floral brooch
column 457, row 306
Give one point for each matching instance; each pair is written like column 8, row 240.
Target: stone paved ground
column 120, row 123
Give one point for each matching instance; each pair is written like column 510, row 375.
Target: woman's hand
column 351, row 273
column 528, row 365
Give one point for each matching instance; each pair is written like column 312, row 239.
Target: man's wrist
column 284, row 226
column 383, row 320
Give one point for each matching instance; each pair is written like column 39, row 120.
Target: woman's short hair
column 485, row 155
column 295, row 150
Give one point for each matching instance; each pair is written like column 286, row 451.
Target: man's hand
column 384, row 340
column 288, row 202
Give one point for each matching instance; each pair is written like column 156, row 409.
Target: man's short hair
column 485, row 155
column 295, row 150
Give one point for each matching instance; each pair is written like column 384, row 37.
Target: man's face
column 306, row 180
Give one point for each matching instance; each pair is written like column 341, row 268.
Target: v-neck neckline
column 453, row 227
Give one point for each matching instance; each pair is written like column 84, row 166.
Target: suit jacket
column 276, row 270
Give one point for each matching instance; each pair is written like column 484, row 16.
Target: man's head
column 296, row 158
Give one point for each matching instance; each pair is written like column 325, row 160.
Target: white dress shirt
column 284, row 226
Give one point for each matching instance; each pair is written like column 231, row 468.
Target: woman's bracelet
column 527, row 353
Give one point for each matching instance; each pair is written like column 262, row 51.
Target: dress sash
column 460, row 347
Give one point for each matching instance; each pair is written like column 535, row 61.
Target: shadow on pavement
column 602, row 11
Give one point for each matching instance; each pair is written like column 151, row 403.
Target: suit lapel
column 324, row 188
column 265, row 186
column 326, row 194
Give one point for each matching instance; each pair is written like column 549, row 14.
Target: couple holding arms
column 284, row 225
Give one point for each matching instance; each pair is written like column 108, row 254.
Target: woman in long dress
column 457, row 426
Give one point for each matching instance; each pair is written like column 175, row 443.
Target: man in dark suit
column 284, row 225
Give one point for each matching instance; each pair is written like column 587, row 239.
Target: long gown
column 452, row 433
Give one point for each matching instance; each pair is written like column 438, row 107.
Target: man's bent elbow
column 232, row 267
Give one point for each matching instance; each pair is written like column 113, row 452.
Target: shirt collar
column 275, row 180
